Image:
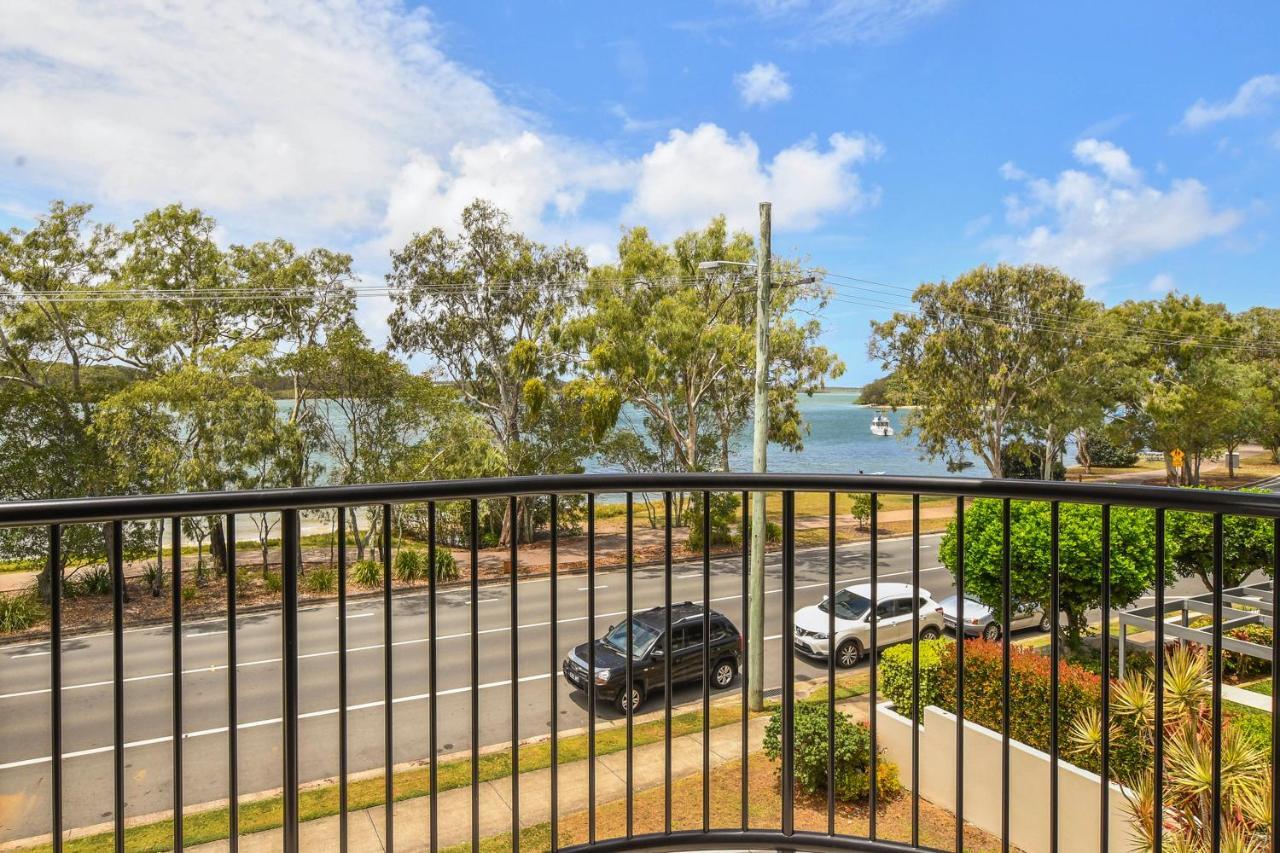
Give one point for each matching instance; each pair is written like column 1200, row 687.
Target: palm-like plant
column 1186, row 813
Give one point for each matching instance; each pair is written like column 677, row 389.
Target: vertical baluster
column 668, row 649
column 788, row 663
column 1217, row 682
column 743, row 747
column 388, row 687
column 831, row 663
column 233, row 712
column 115, row 557
column 175, row 545
column 1105, row 817
column 1055, row 591
column 915, row 670
column 475, row 673
column 631, row 703
column 960, row 640
column 706, row 661
column 874, row 558
column 514, row 508
column 289, row 536
column 1005, row 621
column 1275, row 678
column 55, row 682
column 433, row 690
column 343, row 821
column 591, row 668
column 554, row 641
column 1157, row 758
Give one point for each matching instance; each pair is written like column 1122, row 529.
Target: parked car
column 649, row 648
column 981, row 621
column 897, row 603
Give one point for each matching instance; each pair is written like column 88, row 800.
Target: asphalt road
column 87, row 694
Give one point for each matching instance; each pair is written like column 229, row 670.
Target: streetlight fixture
column 759, row 446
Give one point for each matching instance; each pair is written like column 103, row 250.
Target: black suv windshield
column 642, row 638
column 849, row 605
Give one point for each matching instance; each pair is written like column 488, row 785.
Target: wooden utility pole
column 759, row 464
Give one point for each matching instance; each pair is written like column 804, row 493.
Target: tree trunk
column 355, row 532
column 218, row 547
column 1082, row 450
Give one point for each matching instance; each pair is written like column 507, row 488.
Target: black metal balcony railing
column 113, row 512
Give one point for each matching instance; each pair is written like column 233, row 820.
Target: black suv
column 649, row 650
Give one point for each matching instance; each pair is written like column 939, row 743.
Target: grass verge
column 319, row 802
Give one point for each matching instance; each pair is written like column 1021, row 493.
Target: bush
column 19, row 612
column 724, row 513
column 273, row 581
column 189, row 594
column 446, row 565
column 367, row 573
column 860, row 508
column 1104, row 454
column 1029, row 687
column 853, row 754
column 895, row 674
column 321, row 580
column 772, row 532
column 1236, row 666
column 153, row 578
column 94, row 581
column 410, row 566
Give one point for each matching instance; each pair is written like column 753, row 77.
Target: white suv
column 897, row 602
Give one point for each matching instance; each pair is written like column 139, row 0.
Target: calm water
column 839, row 441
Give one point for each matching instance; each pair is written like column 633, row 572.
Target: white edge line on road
column 254, row 724
column 414, row 642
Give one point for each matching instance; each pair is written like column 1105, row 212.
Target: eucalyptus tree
column 488, row 309
column 983, row 356
column 679, row 343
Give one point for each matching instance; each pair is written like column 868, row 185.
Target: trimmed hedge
column 895, row 673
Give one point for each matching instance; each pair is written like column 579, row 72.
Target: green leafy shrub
column 772, row 532
column 860, row 508
column 320, row 580
column 1102, row 453
column 20, row 612
column 852, row 753
column 189, row 594
column 724, row 512
column 1029, row 688
column 153, row 578
column 895, row 674
column 1236, row 666
column 410, row 566
column 367, row 573
column 273, row 581
column 446, row 565
column 92, row 581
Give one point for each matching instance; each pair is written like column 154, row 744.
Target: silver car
column 897, row 605
column 980, row 620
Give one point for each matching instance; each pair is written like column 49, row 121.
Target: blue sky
column 1136, row 145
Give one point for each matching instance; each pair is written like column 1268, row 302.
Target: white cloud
column 1091, row 223
column 694, row 175
column 1251, row 98
column 1111, row 159
column 540, row 185
column 1162, row 283
column 344, row 122
column 850, row 21
column 762, row 85
column 232, row 104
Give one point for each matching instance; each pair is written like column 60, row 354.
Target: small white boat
column 880, row 425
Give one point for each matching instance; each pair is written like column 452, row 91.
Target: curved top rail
column 82, row 510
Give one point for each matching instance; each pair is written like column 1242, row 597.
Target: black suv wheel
column 724, row 673
column 625, row 705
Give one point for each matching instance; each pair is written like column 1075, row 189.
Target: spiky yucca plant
column 1186, row 813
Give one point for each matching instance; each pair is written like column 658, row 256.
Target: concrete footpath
column 365, row 827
